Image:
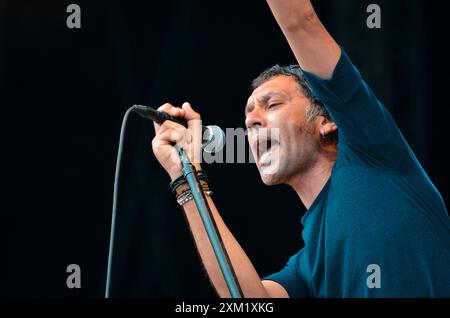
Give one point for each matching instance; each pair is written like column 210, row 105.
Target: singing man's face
column 282, row 142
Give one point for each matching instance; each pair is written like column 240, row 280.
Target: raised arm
column 314, row 48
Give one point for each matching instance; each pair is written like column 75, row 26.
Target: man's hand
column 169, row 133
column 314, row 48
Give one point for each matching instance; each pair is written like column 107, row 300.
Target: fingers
column 171, row 110
column 167, row 137
column 193, row 118
column 170, row 133
column 194, row 122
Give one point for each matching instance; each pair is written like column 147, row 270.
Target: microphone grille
column 213, row 139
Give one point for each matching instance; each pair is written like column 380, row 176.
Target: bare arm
column 248, row 278
column 314, row 48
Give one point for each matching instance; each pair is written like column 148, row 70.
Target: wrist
column 182, row 191
column 176, row 173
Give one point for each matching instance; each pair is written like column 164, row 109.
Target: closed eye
column 273, row 105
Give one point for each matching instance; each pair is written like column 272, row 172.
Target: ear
column 326, row 127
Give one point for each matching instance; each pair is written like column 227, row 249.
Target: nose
column 255, row 118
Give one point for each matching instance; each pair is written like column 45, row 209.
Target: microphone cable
column 114, row 207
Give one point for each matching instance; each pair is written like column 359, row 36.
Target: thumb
column 190, row 114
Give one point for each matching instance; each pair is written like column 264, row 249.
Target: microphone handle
column 157, row 116
column 164, row 116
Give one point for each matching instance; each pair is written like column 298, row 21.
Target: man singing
column 375, row 224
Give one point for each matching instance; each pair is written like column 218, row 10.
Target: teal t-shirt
column 379, row 227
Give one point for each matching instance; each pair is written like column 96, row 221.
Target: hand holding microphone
column 180, row 126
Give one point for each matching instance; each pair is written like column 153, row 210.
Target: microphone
column 213, row 137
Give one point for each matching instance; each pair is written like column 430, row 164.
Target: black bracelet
column 176, row 183
column 201, row 177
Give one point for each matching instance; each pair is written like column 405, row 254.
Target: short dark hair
column 316, row 107
column 293, row 71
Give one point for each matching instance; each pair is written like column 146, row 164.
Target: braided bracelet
column 201, row 177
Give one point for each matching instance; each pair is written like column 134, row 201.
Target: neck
column 308, row 184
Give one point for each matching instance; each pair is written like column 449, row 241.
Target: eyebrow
column 264, row 98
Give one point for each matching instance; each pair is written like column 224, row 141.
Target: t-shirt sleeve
column 290, row 278
column 367, row 132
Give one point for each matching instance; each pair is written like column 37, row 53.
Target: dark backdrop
column 64, row 92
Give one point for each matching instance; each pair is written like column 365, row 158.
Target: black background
column 64, row 92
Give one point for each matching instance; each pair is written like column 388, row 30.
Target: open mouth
column 265, row 147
